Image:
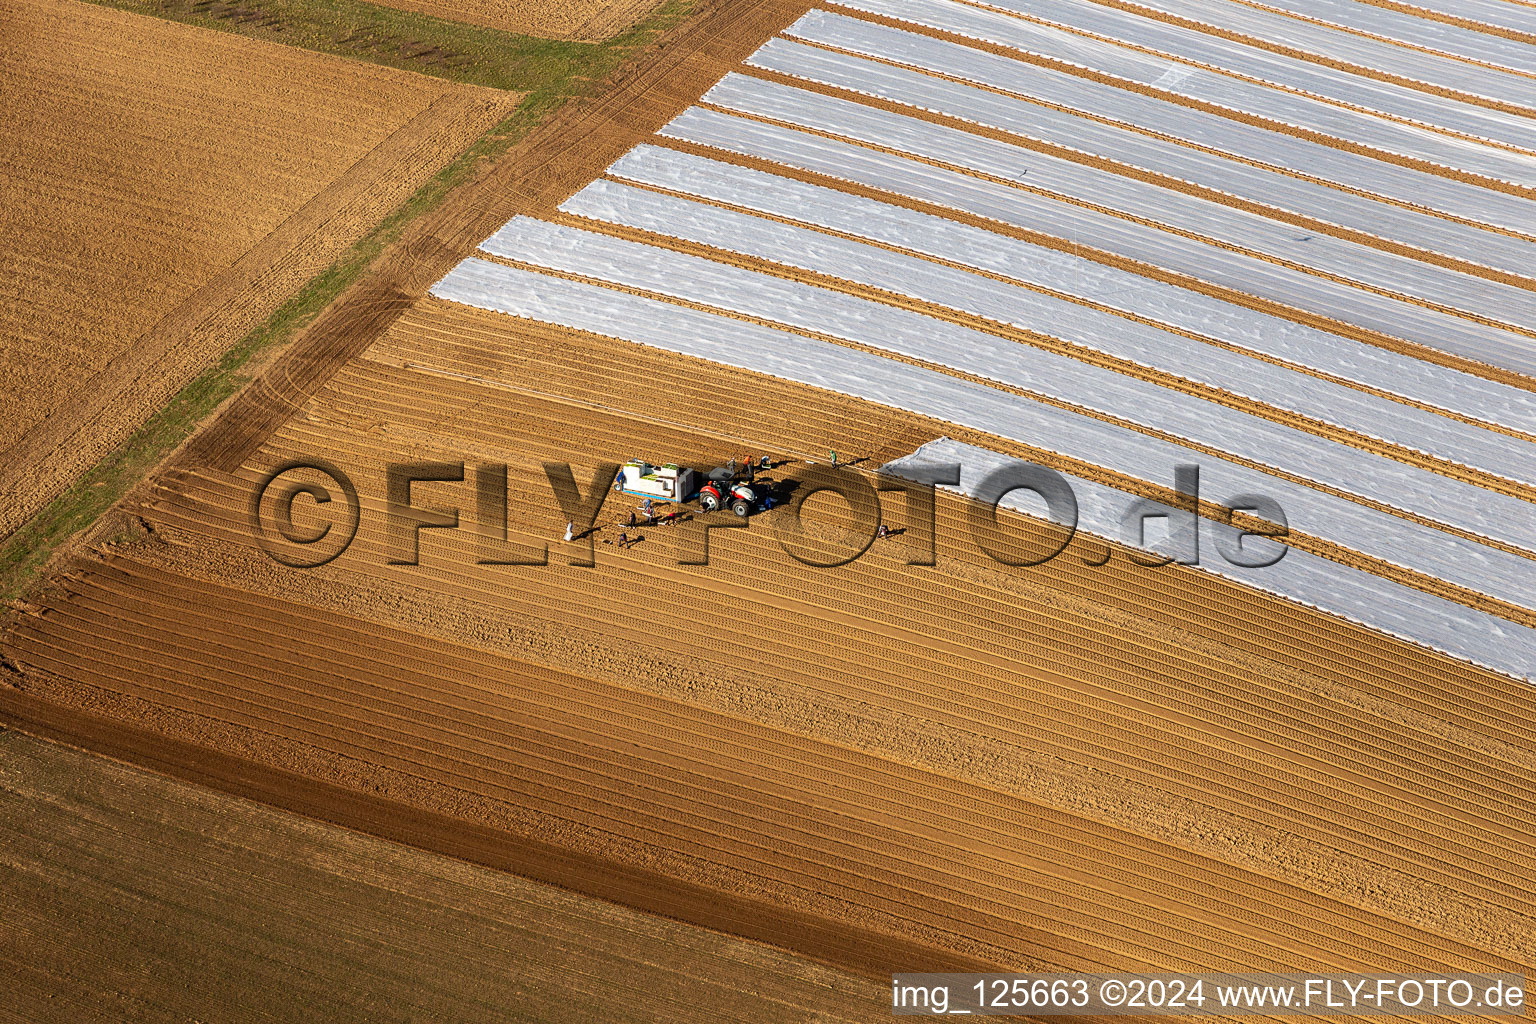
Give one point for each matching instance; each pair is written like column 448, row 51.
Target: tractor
column 722, row 491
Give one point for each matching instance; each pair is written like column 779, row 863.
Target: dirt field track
column 187, row 197
column 1087, row 764
column 584, row 20
column 193, row 905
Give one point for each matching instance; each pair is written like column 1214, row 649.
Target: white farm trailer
column 661, row 483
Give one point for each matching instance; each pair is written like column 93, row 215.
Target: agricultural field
column 556, row 19
column 1092, row 242
column 187, row 899
column 158, row 206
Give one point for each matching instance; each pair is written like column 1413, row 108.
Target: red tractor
column 722, row 491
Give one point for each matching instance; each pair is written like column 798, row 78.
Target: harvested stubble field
column 881, row 766
column 166, row 188
column 189, row 903
column 554, row 19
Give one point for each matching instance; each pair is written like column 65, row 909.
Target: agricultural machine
column 659, row 483
column 672, row 482
column 722, row 491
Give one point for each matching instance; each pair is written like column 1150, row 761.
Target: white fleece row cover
column 931, row 393
column 1183, row 309
column 1496, row 13
column 1014, row 206
column 1299, row 576
column 1331, row 43
column 1065, row 39
column 1402, row 27
column 1012, row 305
column 1278, row 188
column 1129, row 197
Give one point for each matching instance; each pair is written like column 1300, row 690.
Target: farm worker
column 751, row 471
column 647, row 506
column 834, row 457
column 767, row 502
column 623, row 540
column 763, row 463
column 631, row 518
column 884, row 531
column 732, row 466
column 570, row 528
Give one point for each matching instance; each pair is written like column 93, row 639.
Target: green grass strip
column 568, row 70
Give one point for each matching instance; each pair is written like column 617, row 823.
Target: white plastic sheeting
column 1352, row 261
column 1013, row 206
column 1417, row 31
column 1327, row 42
column 864, row 375
column 950, row 240
column 1497, row 13
column 1277, row 188
column 1019, row 307
column 1184, row 79
column 1348, row 593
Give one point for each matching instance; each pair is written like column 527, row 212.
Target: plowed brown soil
column 586, row 20
column 165, row 188
column 1069, row 766
column 712, row 799
column 191, row 905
